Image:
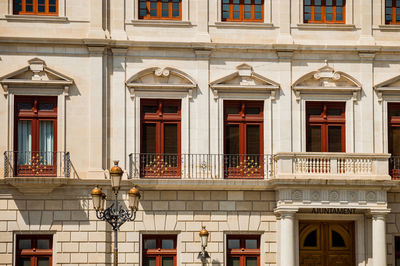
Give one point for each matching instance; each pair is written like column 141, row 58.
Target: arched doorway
column 326, row 243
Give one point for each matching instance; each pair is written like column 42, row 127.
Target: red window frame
column 158, row 252
column 160, row 164
column 392, row 12
column 325, row 120
column 35, row 115
column 228, row 6
column 31, row 7
column 310, row 11
column 393, row 123
column 243, row 164
column 243, row 253
column 34, row 253
column 145, row 8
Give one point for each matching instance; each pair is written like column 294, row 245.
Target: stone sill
column 35, row 18
column 316, row 26
column 246, row 25
column 160, row 23
column 387, row 27
column 35, row 185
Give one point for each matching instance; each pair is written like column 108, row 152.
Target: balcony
column 394, row 167
column 200, row 166
column 36, row 172
column 310, row 165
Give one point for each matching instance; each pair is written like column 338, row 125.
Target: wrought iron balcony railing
column 394, row 167
column 200, row 166
column 36, row 164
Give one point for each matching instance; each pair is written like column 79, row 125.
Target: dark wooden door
column 326, row 243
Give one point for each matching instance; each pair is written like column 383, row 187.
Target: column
column 378, row 238
column 96, row 144
column 287, row 237
column 366, row 37
column 202, row 11
column 284, row 22
column 117, row 20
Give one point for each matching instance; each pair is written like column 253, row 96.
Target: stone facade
column 101, row 60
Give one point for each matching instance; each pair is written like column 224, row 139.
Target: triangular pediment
column 161, row 79
column 390, row 86
column 244, row 80
column 37, row 74
column 326, row 80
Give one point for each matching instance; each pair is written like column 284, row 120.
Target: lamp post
column 116, row 215
column 203, row 254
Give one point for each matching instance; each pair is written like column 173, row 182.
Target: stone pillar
column 118, row 97
column 378, row 238
column 117, row 20
column 284, row 22
column 96, row 20
column 96, row 145
column 287, row 237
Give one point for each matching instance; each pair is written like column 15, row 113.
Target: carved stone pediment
column 161, row 79
column 244, row 80
column 391, row 86
column 36, row 74
column 326, row 80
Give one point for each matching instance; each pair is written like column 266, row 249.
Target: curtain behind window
column 24, row 142
column 46, row 142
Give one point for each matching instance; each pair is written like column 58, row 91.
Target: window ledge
column 230, row 24
column 36, row 18
column 393, row 27
column 316, row 26
column 160, row 23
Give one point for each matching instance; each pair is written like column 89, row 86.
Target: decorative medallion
column 315, row 195
column 333, row 196
column 371, row 196
column 297, row 195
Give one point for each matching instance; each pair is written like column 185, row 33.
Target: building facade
column 274, row 124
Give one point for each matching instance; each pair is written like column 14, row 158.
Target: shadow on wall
column 216, row 263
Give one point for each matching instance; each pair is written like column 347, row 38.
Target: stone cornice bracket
column 157, row 79
column 287, row 212
column 202, row 53
column 379, row 214
column 327, row 80
column 285, row 54
column 96, row 50
column 244, row 80
column 36, row 74
column 366, row 56
column 119, row 51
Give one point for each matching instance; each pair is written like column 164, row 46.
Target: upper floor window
column 325, row 127
column 243, row 138
column 392, row 11
column 324, row 11
column 35, row 135
column 159, row 250
column 243, row 250
column 34, row 250
column 160, row 9
column 243, row 10
column 35, row 7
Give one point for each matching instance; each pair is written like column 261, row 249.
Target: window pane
column 232, row 110
column 170, row 138
column 29, row 8
column 168, row 262
column 334, row 139
column 339, row 17
column 388, row 11
column 328, row 2
column 52, row 2
column 232, row 139
column 46, row 142
column 247, row 15
column 167, row 244
column 43, row 244
column 388, row 3
column 233, row 243
column 152, row 109
column 170, row 109
column 339, row 2
column 251, row 243
column 150, row 244
column 314, row 139
column 337, row 240
column 307, row 2
column 24, row 244
column 329, row 17
column 24, row 142
column 52, row 9
column 149, row 138
column 317, row 2
column 43, row 262
column 394, row 140
column 150, row 262
column 257, row 15
column 311, row 239
column 236, row 15
column 253, row 110
column 251, row 261
column 253, row 139
column 335, row 112
column 233, row 261
column 24, row 262
column 46, row 106
column 24, row 106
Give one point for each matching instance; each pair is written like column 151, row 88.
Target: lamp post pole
column 116, row 215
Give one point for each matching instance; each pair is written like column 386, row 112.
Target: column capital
column 378, row 214
column 96, row 50
column 366, row 56
column 202, row 53
column 286, row 212
column 119, row 51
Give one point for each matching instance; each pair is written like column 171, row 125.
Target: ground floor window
column 397, row 250
column 159, row 250
column 243, row 250
column 34, row 250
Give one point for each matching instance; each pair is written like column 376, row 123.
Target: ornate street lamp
column 203, row 254
column 116, row 215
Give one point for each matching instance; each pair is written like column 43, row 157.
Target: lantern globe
column 116, row 176
column 134, row 196
column 204, row 237
column 96, row 197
